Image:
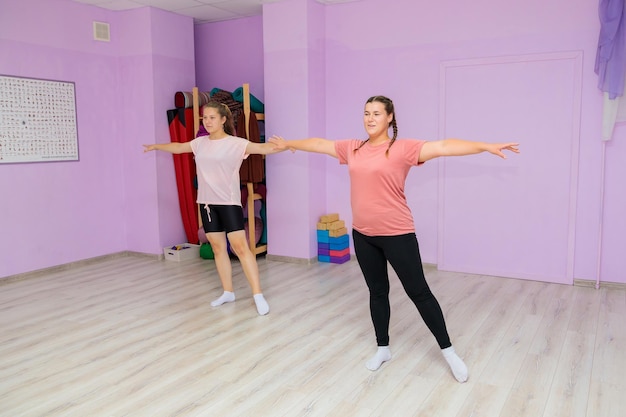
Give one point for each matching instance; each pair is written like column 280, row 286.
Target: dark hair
column 223, row 111
column 390, row 110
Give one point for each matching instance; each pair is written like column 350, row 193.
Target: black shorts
column 221, row 218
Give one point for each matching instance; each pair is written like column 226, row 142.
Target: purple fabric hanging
column 611, row 55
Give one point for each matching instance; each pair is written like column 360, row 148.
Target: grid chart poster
column 37, row 120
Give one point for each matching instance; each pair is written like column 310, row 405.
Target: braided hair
column 223, row 111
column 385, row 101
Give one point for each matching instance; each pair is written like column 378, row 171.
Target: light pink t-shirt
column 217, row 164
column 379, row 206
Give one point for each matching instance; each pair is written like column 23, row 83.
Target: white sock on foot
column 458, row 367
column 226, row 297
column 261, row 305
column 383, row 354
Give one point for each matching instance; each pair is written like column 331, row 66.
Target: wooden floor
column 134, row 336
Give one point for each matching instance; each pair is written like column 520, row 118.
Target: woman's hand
column 279, row 143
column 498, row 148
column 147, row 148
column 317, row 145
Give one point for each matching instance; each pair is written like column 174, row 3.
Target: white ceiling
column 202, row 11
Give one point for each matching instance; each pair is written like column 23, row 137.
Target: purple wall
column 296, row 190
column 481, row 198
column 613, row 221
column 415, row 52
column 229, row 54
column 111, row 200
column 555, row 188
column 314, row 70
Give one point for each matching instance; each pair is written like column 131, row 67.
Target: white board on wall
column 37, row 120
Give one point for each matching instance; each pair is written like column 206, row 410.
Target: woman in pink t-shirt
column 382, row 228
column 218, row 158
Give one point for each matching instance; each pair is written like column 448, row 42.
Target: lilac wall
column 116, row 201
column 374, row 48
column 155, row 65
column 229, row 54
column 613, row 262
column 489, row 239
column 111, row 200
column 296, row 190
column 415, row 50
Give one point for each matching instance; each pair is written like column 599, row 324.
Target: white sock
column 458, row 367
column 226, row 297
column 383, row 354
column 261, row 305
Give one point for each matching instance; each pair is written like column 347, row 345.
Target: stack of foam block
column 333, row 244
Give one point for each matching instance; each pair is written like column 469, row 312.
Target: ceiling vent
column 101, row 32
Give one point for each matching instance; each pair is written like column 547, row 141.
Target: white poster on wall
column 37, row 120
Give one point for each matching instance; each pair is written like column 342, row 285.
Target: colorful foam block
column 334, row 259
column 333, row 242
column 339, row 253
column 338, row 232
column 338, row 239
column 337, row 224
column 328, row 218
column 341, row 260
column 322, row 236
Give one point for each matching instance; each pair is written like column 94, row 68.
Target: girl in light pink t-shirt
column 382, row 228
column 218, row 158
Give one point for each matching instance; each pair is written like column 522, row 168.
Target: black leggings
column 403, row 254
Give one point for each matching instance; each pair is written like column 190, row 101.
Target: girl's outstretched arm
column 458, row 147
column 262, row 148
column 317, row 145
column 172, row 147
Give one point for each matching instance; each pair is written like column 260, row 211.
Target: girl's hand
column 147, row 148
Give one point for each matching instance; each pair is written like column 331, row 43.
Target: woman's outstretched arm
column 317, row 145
column 458, row 147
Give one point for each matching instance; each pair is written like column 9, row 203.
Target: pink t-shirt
column 379, row 206
column 217, row 164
